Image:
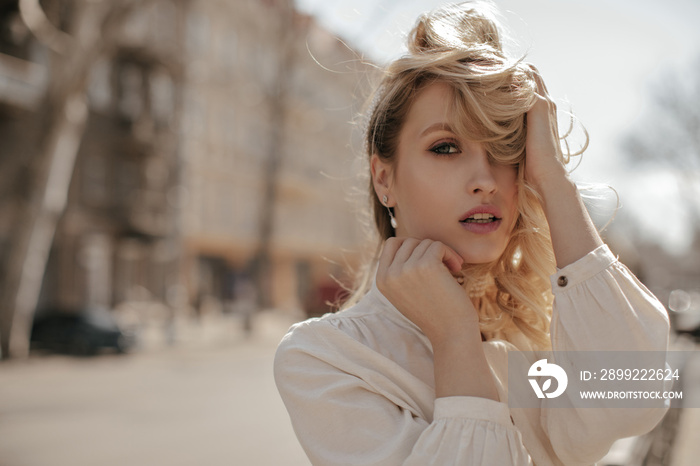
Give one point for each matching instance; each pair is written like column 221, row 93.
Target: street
column 210, row 399
column 210, row 402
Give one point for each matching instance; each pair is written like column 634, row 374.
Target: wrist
column 461, row 368
column 551, row 182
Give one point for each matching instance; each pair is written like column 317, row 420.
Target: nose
column 480, row 173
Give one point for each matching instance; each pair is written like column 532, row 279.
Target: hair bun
column 468, row 26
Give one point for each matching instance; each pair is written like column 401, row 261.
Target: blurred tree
column 290, row 28
column 89, row 29
column 669, row 136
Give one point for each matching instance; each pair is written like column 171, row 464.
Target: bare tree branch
column 670, row 135
column 34, row 17
column 66, row 115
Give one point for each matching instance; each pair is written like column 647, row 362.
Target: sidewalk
column 687, row 443
column 203, row 394
column 208, row 399
column 679, row 430
column 213, row 329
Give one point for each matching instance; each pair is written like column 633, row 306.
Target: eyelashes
column 450, row 148
column 445, row 148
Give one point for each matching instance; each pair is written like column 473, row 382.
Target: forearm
column 461, row 368
column 573, row 233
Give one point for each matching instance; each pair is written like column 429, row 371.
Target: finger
column 546, row 105
column 544, row 94
column 537, row 76
column 405, row 251
column 542, row 123
column 386, row 258
column 447, row 255
column 420, row 250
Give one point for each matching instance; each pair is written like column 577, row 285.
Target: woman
column 486, row 248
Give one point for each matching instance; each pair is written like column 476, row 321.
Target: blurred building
column 236, row 54
column 170, row 181
column 116, row 240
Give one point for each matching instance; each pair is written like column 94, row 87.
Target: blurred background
column 180, row 180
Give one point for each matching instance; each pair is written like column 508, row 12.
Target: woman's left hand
column 543, row 158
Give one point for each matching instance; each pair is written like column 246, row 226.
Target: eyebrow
column 436, row 127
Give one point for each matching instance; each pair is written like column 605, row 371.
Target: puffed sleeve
column 599, row 305
column 345, row 410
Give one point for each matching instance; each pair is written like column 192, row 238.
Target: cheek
column 508, row 186
column 414, row 182
column 507, row 182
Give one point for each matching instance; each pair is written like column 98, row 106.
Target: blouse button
column 562, row 281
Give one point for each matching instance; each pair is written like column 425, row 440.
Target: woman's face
column 442, row 186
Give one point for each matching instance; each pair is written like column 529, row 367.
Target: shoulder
column 319, row 351
column 360, row 336
column 322, row 335
column 306, row 334
column 326, row 333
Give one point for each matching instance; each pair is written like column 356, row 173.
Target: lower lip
column 481, row 228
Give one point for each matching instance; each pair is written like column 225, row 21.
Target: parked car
column 82, row 332
column 685, row 315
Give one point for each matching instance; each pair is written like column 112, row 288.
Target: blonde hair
column 460, row 45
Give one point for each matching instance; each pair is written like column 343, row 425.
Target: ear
column 382, row 173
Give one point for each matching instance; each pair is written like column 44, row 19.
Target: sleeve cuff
column 583, row 269
column 472, row 407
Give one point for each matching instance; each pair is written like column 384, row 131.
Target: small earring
column 391, row 215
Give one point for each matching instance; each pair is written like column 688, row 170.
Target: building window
column 129, row 92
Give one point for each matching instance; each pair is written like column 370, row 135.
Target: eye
column 445, row 148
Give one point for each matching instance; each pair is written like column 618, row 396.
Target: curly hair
column 460, row 45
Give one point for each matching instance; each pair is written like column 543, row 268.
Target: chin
column 474, row 259
column 480, row 255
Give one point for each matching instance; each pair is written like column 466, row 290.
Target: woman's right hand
column 417, row 277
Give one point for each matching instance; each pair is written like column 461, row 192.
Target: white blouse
column 359, row 384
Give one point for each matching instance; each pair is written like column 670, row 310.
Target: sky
column 601, row 58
